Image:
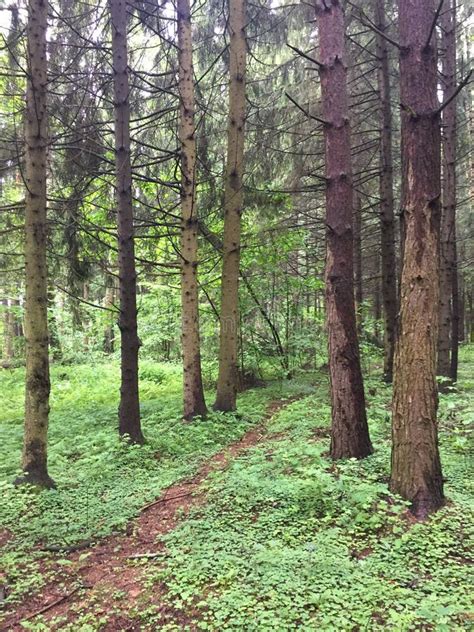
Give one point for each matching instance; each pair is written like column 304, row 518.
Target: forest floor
column 232, row 523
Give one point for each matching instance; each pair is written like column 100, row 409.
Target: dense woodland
column 236, row 316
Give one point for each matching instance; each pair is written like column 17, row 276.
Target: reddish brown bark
column 416, row 468
column 387, row 219
column 449, row 313
column 349, row 432
column 129, row 409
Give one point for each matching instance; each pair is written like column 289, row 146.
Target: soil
column 106, row 578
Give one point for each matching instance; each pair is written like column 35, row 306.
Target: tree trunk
column 358, row 294
column 129, row 409
column 9, row 332
column 377, row 309
column 349, row 433
column 36, row 298
column 448, row 325
column 416, row 468
column 54, row 341
column 109, row 303
column 193, row 393
column 233, row 199
column 387, row 219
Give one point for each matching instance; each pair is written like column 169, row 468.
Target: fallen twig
column 165, row 499
column 144, row 556
column 54, row 603
column 60, row 548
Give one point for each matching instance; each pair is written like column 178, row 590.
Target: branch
column 306, row 56
column 305, row 112
column 433, row 25
column 366, row 21
column 463, row 83
column 83, row 300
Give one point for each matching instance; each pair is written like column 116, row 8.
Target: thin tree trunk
column 349, row 432
column 54, row 341
column 193, row 393
column 462, row 310
column 448, row 324
column 233, row 199
column 8, row 332
column 109, row 303
column 377, row 309
column 129, row 409
column 387, row 218
column 467, row 314
column 36, row 298
column 416, row 468
column 358, row 294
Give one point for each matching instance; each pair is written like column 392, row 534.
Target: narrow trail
column 110, row 567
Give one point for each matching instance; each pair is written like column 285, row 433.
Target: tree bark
column 36, row 297
column 359, row 292
column 129, row 409
column 449, row 313
column 109, row 303
column 193, row 393
column 387, row 218
column 227, row 382
column 9, row 331
column 416, row 468
column 349, row 432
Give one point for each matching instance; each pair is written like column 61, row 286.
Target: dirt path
column 105, row 579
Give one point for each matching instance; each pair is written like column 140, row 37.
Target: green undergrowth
column 292, row 541
column 101, row 481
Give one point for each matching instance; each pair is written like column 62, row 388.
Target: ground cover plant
column 102, row 481
column 291, row 540
column 286, row 539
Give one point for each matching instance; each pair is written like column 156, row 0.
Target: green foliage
column 101, row 481
column 287, row 540
column 290, row 540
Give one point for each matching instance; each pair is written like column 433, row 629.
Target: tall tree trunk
column 387, row 219
column 349, row 433
column 54, row 341
column 233, row 199
column 193, row 393
column 359, row 293
column 416, row 468
column 109, row 303
column 36, row 298
column 448, row 323
column 129, row 409
column 377, row 308
column 9, row 331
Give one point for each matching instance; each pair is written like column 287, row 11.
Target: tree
column 448, row 299
column 387, row 222
column 349, row 432
column 416, row 468
column 358, row 278
column 193, row 394
column 233, row 200
column 129, row 409
column 36, row 295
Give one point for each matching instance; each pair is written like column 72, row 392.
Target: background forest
column 238, row 223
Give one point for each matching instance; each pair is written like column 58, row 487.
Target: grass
column 287, row 540
column 102, row 482
column 290, row 540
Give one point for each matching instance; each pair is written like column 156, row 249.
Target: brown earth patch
column 105, row 579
